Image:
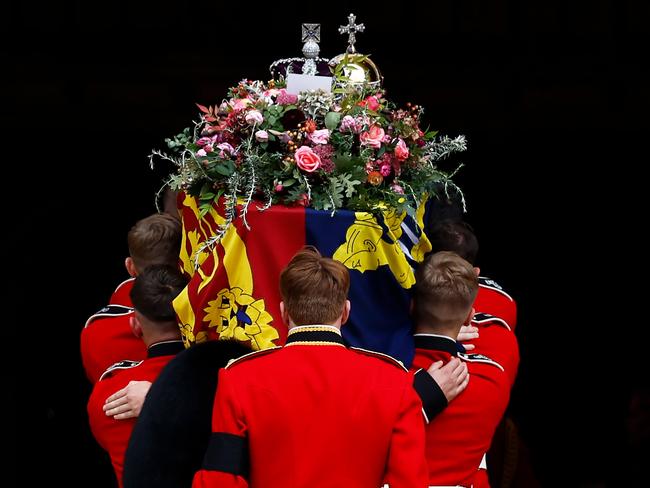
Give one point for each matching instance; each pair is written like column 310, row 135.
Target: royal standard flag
column 234, row 286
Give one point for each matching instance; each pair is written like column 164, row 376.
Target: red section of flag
column 275, row 236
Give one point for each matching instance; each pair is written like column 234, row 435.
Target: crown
column 310, row 64
column 355, row 68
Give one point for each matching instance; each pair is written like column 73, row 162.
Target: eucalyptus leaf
column 332, row 120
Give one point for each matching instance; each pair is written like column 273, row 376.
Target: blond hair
column 155, row 240
column 446, row 287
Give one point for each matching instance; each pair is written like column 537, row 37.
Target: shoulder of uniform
column 125, row 364
column 124, row 283
column 493, row 285
column 479, row 358
column 382, row 356
column 251, row 355
column 109, row 311
column 482, row 318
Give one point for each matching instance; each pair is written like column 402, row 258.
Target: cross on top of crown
column 310, row 32
column 351, row 30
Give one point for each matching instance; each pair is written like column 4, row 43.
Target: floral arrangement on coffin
column 350, row 149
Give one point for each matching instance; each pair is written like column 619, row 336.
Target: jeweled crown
column 356, row 68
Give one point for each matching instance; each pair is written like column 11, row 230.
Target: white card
column 300, row 83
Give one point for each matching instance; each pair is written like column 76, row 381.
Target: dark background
column 552, row 95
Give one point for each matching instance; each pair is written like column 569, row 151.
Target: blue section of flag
column 379, row 318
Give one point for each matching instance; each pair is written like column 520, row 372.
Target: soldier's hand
column 452, row 378
column 127, row 402
column 467, row 333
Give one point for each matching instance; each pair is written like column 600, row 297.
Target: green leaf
column 288, row 182
column 332, row 120
column 204, row 209
column 227, row 168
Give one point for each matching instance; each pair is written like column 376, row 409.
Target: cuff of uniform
column 227, row 453
column 433, row 399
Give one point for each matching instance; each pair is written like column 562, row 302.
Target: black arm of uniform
column 173, row 432
column 227, row 453
column 432, row 397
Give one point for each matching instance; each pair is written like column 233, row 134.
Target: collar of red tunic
column 435, row 342
column 315, row 335
column 164, row 348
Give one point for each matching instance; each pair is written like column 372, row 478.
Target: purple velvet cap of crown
column 282, row 67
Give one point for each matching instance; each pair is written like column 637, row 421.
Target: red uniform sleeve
column 406, row 465
column 225, row 464
column 112, row 435
column 500, row 345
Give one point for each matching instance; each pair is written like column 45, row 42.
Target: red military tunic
column 122, row 294
column 113, row 435
column 496, row 310
column 494, row 300
column 460, row 435
column 498, row 342
column 107, row 338
column 315, row 414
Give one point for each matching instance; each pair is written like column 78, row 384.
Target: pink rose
column 401, row 151
column 385, row 169
column 320, row 136
column 279, row 187
column 372, row 137
column 397, row 189
column 240, row 103
column 261, row 136
column 201, row 153
column 372, row 103
column 204, row 140
column 254, row 117
column 306, row 159
column 225, row 149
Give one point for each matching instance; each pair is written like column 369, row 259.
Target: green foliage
column 180, row 141
column 227, row 156
column 332, row 120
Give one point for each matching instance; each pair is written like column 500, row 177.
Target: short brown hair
column 314, row 288
column 155, row 240
column 446, row 287
column 455, row 236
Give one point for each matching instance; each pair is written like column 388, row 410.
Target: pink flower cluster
column 277, row 126
column 208, row 145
